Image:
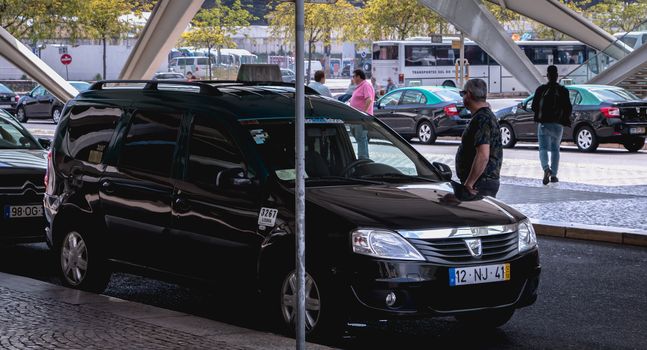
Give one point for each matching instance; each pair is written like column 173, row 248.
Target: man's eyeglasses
column 462, row 93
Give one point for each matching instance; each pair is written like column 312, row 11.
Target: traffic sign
column 66, row 59
column 363, row 54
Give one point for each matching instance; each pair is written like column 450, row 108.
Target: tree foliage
column 321, row 22
column 36, row 20
column 399, row 19
column 619, row 15
column 215, row 27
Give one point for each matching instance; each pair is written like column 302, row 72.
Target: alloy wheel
column 289, row 300
column 584, row 139
column 424, row 132
column 20, row 115
column 74, row 258
column 56, row 115
column 506, row 136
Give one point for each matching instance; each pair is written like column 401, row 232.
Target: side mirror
column 233, row 178
column 443, row 169
column 46, row 143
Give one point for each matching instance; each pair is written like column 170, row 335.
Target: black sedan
column 40, row 103
column 23, row 163
column 425, row 112
column 8, row 99
column 601, row 114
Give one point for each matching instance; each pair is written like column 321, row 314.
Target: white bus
column 419, row 62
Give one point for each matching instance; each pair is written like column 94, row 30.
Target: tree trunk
column 310, row 45
column 209, row 61
column 104, row 58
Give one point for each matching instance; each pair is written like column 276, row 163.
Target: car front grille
column 454, row 251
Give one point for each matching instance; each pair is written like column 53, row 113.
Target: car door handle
column 106, row 186
column 181, row 205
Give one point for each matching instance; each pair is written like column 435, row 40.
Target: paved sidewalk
column 39, row 315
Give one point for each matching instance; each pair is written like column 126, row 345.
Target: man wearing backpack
column 552, row 107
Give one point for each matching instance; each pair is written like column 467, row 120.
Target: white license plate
column 22, row 211
column 637, row 130
column 5, row 106
column 479, row 274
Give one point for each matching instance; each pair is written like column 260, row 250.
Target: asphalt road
column 591, row 296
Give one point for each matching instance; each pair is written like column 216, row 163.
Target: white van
column 197, row 65
column 316, row 65
column 632, row 39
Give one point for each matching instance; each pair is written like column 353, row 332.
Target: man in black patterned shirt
column 480, row 155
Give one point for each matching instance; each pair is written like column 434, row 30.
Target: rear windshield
column 614, row 95
column 5, row 90
column 448, row 95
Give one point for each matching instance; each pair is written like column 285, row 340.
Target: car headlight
column 383, row 244
column 527, row 236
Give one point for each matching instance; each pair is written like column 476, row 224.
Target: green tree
column 37, row 20
column 214, row 28
column 399, row 19
column 619, row 15
column 103, row 20
column 322, row 22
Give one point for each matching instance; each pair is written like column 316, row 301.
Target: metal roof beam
column 163, row 29
column 554, row 14
column 472, row 18
column 21, row 56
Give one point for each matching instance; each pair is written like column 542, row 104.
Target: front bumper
column 423, row 290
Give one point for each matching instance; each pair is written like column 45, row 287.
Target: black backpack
column 550, row 109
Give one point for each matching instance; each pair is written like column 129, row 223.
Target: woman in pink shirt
column 364, row 95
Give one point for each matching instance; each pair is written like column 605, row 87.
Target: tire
column 634, row 144
column 21, row 116
column 485, row 319
column 508, row 139
column 426, row 133
column 586, row 140
column 81, row 263
column 325, row 316
column 449, row 83
column 56, row 114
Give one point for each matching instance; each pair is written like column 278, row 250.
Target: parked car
column 425, row 112
column 288, row 76
column 23, row 161
column 387, row 234
column 8, row 99
column 40, row 103
column 601, row 114
column 197, row 65
column 168, row 76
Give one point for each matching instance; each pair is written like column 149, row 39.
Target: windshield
column 614, row 95
column 5, row 90
column 13, row 137
column 340, row 150
column 81, row 86
column 448, row 95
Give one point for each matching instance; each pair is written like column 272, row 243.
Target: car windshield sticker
column 267, row 217
column 322, row 120
column 259, row 135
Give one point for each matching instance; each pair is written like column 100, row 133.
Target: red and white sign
column 66, row 59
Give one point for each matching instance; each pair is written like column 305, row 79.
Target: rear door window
column 202, row 61
column 413, row 97
column 89, row 131
column 211, row 150
column 150, row 144
column 391, row 99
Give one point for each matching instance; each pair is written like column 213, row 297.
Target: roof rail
column 153, row 85
column 216, row 83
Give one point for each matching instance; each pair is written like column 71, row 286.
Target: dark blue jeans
column 487, row 187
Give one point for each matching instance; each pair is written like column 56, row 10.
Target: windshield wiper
column 396, row 176
column 343, row 179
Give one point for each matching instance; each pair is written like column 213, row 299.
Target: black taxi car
column 22, row 170
column 197, row 180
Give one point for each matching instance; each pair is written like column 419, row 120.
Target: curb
column 608, row 234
